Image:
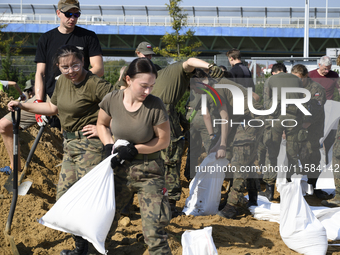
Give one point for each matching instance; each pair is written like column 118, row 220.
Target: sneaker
column 228, row 212
column 334, row 202
column 6, row 170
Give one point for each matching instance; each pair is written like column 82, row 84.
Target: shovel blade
column 24, row 187
column 9, row 183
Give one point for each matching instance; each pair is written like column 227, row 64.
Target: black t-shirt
column 49, row 42
column 242, row 75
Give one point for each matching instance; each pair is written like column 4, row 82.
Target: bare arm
column 15, row 85
column 256, row 97
column 40, row 81
column 161, row 141
column 41, row 108
column 193, row 63
column 97, row 65
column 103, row 127
column 208, row 123
column 221, row 147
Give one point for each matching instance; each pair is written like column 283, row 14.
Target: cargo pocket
column 173, row 153
column 302, row 135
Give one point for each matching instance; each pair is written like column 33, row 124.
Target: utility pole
column 326, row 11
column 306, row 35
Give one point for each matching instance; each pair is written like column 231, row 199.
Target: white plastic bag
column 198, row 242
column 205, row 188
column 87, row 209
column 299, row 228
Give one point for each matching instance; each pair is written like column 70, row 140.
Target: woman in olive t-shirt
column 141, row 119
column 75, row 99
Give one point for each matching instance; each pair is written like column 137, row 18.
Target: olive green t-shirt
column 171, row 83
column 227, row 99
column 280, row 80
column 135, row 127
column 78, row 104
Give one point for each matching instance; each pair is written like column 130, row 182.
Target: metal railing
column 203, row 21
column 198, row 16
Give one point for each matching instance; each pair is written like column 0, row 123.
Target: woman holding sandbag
column 75, row 99
column 141, row 119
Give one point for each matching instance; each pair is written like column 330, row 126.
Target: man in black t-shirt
column 241, row 73
column 45, row 77
column 67, row 33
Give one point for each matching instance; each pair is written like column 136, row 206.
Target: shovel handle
column 16, row 122
column 30, row 155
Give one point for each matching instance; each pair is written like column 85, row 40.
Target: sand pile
column 244, row 235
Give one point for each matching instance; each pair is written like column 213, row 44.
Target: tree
column 8, row 48
column 176, row 44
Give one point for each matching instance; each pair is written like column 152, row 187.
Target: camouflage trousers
column 146, row 178
column 172, row 155
column 336, row 161
column 310, row 156
column 198, row 136
column 244, row 171
column 272, row 138
column 80, row 156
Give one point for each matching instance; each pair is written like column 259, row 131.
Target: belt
column 75, row 135
column 154, row 155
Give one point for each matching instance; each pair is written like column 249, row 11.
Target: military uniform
column 243, row 139
column 198, row 135
column 144, row 175
column 309, row 145
column 335, row 202
column 80, row 154
column 171, row 84
column 274, row 129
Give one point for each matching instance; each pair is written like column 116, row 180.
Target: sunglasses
column 70, row 14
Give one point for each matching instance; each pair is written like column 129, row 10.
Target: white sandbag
column 87, row 209
column 326, row 178
column 299, row 228
column 198, row 242
column 331, row 117
column 265, row 210
column 205, row 187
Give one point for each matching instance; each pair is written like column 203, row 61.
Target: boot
column 228, row 212
column 252, row 194
column 269, row 193
column 334, row 202
column 81, row 247
column 174, row 211
column 322, row 194
column 126, row 209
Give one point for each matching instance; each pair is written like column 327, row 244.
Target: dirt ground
column 244, row 235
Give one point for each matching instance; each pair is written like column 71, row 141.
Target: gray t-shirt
column 137, row 126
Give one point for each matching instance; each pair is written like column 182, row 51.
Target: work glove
column 115, row 161
column 215, row 71
column 127, row 152
column 41, row 119
column 108, row 149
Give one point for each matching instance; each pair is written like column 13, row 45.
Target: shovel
column 7, row 230
column 24, row 186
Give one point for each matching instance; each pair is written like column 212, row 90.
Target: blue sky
column 259, row 3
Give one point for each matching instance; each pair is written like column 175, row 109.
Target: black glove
column 108, row 149
column 215, row 71
column 115, row 162
column 127, row 152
